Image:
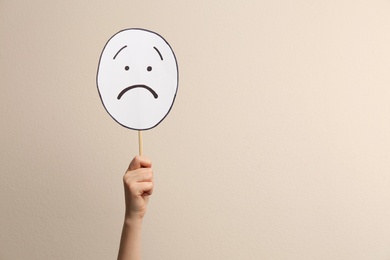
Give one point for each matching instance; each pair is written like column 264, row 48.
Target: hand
column 138, row 184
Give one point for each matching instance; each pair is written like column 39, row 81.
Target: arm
column 138, row 185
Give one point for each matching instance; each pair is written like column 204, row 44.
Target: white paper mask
column 137, row 78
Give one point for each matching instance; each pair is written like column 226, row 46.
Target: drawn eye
column 127, row 68
column 149, row 68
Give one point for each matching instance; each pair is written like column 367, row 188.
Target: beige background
column 278, row 146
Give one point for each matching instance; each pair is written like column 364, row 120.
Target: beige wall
column 278, row 146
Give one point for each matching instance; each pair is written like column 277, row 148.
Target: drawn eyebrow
column 119, row 51
column 158, row 53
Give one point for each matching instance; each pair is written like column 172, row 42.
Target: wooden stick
column 140, row 145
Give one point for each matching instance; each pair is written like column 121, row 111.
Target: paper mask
column 137, row 78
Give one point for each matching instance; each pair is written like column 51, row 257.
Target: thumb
column 140, row 162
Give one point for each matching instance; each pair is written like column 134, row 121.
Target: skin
column 138, row 186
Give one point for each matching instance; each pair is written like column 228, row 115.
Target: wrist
column 133, row 219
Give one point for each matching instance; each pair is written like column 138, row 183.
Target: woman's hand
column 138, row 184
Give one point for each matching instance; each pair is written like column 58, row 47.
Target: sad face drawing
column 137, row 78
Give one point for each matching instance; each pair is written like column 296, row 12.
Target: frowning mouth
column 138, row 86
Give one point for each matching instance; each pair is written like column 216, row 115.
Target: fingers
column 140, row 175
column 139, row 182
column 140, row 162
column 144, row 188
column 138, row 179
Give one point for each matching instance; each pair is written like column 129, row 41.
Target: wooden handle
column 140, row 145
